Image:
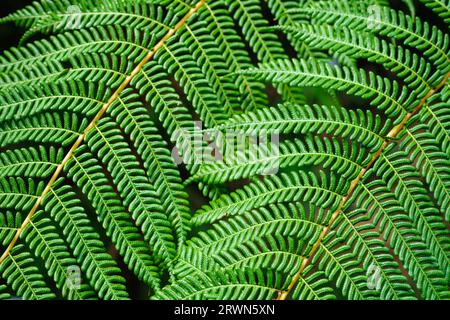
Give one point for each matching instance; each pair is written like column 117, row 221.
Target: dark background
column 9, row 34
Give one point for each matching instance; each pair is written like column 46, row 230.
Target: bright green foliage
column 102, row 99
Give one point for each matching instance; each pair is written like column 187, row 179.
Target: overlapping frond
column 115, row 115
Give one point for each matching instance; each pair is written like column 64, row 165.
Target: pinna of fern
column 94, row 110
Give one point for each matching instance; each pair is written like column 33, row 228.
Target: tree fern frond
column 288, row 221
column 356, row 125
column 319, row 189
column 435, row 116
column 19, row 193
column 4, row 294
column 61, row 47
column 178, row 61
column 314, row 286
column 424, row 151
column 284, row 12
column 372, row 254
column 386, row 95
column 39, row 71
column 226, row 149
column 264, row 44
column 382, row 206
column 412, row 32
column 101, row 270
column 441, row 7
column 154, row 82
column 23, row 277
column 208, row 56
column 239, row 285
column 346, row 160
column 413, row 195
column 220, row 24
column 9, row 224
column 30, row 162
column 43, row 128
column 41, row 237
column 248, row 14
column 415, row 71
column 162, row 172
column 139, row 195
column 53, row 98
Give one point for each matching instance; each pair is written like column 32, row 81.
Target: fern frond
column 41, row 237
column 313, row 287
column 221, row 26
column 441, row 7
column 435, row 116
column 101, row 270
column 356, row 125
column 371, row 251
column 412, row 32
column 43, row 128
column 178, row 61
column 23, row 277
column 30, row 162
column 375, row 198
column 116, row 166
column 238, row 285
column 4, row 295
column 319, row 189
column 343, row 159
column 424, row 151
column 415, row 71
column 9, row 224
column 384, row 94
column 19, row 193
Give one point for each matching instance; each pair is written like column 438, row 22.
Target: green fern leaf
column 226, row 149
